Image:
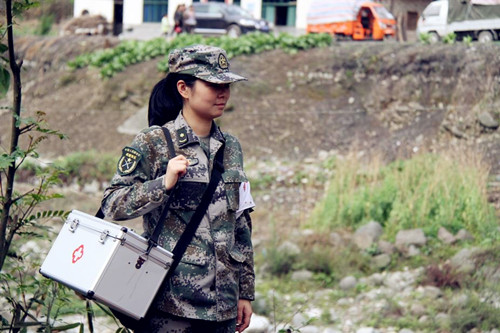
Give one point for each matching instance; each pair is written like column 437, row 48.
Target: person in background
column 189, row 21
column 212, row 288
column 165, row 26
column 178, row 19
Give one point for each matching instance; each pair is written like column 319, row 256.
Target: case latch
column 102, row 237
column 73, row 225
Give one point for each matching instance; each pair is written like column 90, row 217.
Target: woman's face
column 206, row 100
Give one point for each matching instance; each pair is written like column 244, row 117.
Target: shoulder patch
column 128, row 161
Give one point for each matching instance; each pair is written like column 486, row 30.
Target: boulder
column 348, row 282
column 258, row 324
column 86, row 25
column 405, row 238
column 366, row 235
column 445, row 236
column 487, row 120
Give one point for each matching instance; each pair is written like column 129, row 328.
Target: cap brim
column 222, row 78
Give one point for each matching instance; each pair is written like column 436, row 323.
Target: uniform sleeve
column 244, row 244
column 136, row 189
column 243, row 230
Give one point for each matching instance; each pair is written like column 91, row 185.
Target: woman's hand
column 244, row 314
column 176, row 168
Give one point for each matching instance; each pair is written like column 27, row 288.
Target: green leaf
column 6, row 161
column 66, row 327
column 4, row 81
column 21, row 6
column 3, row 48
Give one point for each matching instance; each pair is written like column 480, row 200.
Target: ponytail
column 165, row 101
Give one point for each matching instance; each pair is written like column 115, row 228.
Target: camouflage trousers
column 165, row 323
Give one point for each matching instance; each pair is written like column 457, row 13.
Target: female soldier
column 211, row 289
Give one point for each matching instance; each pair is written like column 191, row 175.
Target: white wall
column 253, row 6
column 133, row 9
column 95, row 7
column 302, row 9
column 133, row 12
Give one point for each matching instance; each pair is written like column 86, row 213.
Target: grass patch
column 80, row 167
column 477, row 312
column 427, row 191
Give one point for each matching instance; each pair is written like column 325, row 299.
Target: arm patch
column 128, row 161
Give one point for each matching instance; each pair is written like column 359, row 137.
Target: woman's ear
column 182, row 88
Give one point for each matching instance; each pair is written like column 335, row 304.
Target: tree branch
column 15, row 132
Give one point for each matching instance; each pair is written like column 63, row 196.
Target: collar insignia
column 223, row 62
column 182, row 135
column 128, row 161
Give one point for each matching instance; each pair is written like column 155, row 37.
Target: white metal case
column 108, row 263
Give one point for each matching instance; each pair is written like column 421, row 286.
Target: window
column 238, row 11
column 383, row 13
column 201, row 8
column 154, row 10
column 432, row 10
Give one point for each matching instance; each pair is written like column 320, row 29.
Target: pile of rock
column 86, row 25
column 409, row 293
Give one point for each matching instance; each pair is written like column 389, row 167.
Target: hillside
column 296, row 111
column 389, row 98
column 392, row 97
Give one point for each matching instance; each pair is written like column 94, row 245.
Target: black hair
column 165, row 101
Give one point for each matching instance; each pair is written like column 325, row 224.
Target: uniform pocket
column 187, row 195
column 234, row 261
column 194, row 260
column 195, row 255
column 232, row 180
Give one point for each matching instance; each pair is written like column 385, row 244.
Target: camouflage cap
column 208, row 63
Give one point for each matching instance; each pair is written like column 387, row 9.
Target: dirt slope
column 396, row 98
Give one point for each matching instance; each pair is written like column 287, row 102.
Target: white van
column 479, row 19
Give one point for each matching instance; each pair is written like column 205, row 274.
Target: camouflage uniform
column 217, row 267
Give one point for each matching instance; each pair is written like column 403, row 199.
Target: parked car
column 215, row 18
column 351, row 20
column 477, row 19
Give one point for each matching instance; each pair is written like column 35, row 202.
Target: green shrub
column 80, row 167
column 279, row 262
column 450, row 38
column 467, row 40
column 425, row 38
column 279, row 259
column 45, row 25
column 111, row 61
column 477, row 313
column 427, row 191
column 85, row 167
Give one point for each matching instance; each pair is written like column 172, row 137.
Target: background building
column 287, row 13
column 407, row 13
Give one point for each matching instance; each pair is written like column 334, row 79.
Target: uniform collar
column 186, row 136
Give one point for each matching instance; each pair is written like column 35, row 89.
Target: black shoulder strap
column 153, row 240
column 193, row 224
column 170, row 143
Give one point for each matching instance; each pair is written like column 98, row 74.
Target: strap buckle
column 151, row 244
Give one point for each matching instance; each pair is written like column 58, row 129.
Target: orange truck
column 356, row 20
